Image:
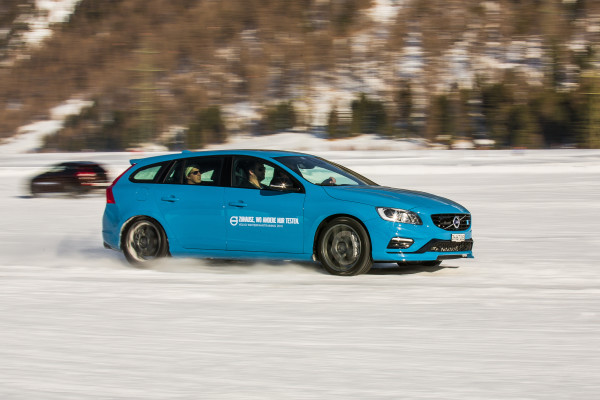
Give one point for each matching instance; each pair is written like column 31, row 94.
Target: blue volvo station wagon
column 276, row 205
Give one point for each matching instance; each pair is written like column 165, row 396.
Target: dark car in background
column 72, row 177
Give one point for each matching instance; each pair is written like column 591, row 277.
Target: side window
column 250, row 173
column 283, row 181
column 147, row 174
column 255, row 173
column 205, row 171
column 58, row 168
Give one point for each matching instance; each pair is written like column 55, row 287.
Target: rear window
column 91, row 168
column 147, row 174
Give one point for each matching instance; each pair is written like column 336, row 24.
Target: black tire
column 144, row 241
column 344, row 248
column 73, row 190
column 419, row 263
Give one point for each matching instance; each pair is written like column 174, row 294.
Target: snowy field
column 520, row 321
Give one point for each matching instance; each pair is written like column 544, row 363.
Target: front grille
column 446, row 246
column 452, row 222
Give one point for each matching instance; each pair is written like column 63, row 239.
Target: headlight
column 398, row 215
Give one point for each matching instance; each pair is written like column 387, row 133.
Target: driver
column 255, row 173
column 329, row 181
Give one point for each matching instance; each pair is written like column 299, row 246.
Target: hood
column 381, row 196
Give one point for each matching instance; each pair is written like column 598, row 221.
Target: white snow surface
column 520, row 321
column 49, row 12
column 308, row 141
column 385, row 11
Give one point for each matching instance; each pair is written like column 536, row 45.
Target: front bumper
column 430, row 243
column 434, row 250
column 446, row 246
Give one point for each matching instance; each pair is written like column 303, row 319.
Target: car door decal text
column 263, row 222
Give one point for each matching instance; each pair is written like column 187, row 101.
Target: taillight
column 85, row 177
column 83, row 174
column 110, row 199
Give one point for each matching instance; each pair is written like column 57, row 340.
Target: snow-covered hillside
column 520, row 321
column 48, row 12
column 30, row 138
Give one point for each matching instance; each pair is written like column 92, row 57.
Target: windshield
column 322, row 172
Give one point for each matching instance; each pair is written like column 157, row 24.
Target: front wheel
column 74, row 190
column 344, row 248
column 144, row 241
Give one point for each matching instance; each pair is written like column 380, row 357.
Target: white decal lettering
column 263, row 222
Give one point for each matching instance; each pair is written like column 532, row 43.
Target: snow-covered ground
column 520, row 321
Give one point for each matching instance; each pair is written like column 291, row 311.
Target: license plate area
column 458, row 237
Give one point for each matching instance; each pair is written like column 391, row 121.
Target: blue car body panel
column 196, row 222
column 264, row 221
column 236, row 222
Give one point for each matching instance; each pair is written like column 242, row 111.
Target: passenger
column 193, row 176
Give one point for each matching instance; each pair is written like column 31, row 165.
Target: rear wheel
column 33, row 190
column 344, row 248
column 144, row 241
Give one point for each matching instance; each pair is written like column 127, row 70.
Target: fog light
column 400, row 243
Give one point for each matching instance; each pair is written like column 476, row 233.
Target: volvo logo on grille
column 456, row 222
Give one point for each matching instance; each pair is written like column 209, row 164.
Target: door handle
column 238, row 204
column 170, row 198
